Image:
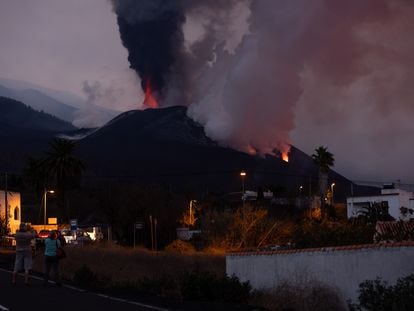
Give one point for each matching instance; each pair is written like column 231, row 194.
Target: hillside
column 41, row 102
column 17, row 114
column 24, row 133
column 164, row 145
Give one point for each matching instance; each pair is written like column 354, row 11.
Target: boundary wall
column 342, row 268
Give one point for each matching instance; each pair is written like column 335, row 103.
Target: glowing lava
column 149, row 100
column 285, row 156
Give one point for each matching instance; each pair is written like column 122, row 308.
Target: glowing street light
column 44, row 202
column 243, row 176
column 300, row 190
column 332, row 193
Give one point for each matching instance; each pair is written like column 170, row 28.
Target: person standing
column 52, row 243
column 23, row 252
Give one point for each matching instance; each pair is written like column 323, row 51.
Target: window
column 16, row 213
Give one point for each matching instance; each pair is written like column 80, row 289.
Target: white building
column 396, row 200
column 13, row 211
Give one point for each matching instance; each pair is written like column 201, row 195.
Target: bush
column 204, row 286
column 180, row 247
column 377, row 295
column 85, row 277
column 308, row 296
column 163, row 286
column 321, row 234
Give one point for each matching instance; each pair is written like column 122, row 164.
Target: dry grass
column 121, row 264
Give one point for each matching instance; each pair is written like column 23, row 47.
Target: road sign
column 73, row 224
column 139, row 225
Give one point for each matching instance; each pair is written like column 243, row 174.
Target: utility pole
column 6, row 202
column 155, row 238
column 152, row 233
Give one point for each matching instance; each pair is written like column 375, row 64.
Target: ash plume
column 151, row 32
column 255, row 71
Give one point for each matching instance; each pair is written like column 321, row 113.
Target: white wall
column 13, row 201
column 395, row 202
column 340, row 268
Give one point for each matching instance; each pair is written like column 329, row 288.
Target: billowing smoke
column 253, row 71
column 151, row 32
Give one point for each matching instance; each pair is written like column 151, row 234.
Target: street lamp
column 243, row 176
column 44, row 202
column 300, row 190
column 191, row 212
column 332, row 193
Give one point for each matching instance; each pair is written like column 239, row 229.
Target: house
column 399, row 202
column 13, row 210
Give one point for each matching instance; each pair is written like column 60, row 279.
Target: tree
column 61, row 165
column 325, row 160
column 34, row 175
column 247, row 228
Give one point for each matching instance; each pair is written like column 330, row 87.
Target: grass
column 127, row 265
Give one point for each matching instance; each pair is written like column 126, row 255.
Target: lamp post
column 300, row 190
column 191, row 218
column 243, row 176
column 44, row 205
column 332, row 193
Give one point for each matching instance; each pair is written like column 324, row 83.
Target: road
column 37, row 297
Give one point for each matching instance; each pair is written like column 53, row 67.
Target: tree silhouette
column 61, row 165
column 325, row 160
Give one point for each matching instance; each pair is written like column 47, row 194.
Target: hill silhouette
column 165, row 145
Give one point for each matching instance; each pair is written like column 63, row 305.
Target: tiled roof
column 394, row 231
column 323, row 249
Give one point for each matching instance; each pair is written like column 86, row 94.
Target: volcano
column 164, row 145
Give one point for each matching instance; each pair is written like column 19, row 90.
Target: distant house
column 13, row 211
column 400, row 203
column 252, row 195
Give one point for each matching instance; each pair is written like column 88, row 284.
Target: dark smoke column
column 151, row 30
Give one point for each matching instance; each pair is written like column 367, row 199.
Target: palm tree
column 325, row 160
column 63, row 167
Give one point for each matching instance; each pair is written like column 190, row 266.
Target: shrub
column 204, row 286
column 163, row 286
column 377, row 295
column 85, row 277
column 320, row 234
column 306, row 296
column 180, row 247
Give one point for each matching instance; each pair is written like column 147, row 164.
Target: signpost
column 138, row 226
column 73, row 224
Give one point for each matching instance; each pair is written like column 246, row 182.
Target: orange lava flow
column 285, row 156
column 149, row 100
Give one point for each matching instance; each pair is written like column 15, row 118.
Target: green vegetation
column 377, row 295
column 325, row 160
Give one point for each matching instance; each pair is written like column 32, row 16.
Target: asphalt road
column 37, row 297
column 66, row 297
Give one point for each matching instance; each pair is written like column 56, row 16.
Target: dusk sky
column 259, row 74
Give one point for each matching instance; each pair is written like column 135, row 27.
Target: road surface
column 37, row 297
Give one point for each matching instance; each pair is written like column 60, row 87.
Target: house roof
column 394, row 231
